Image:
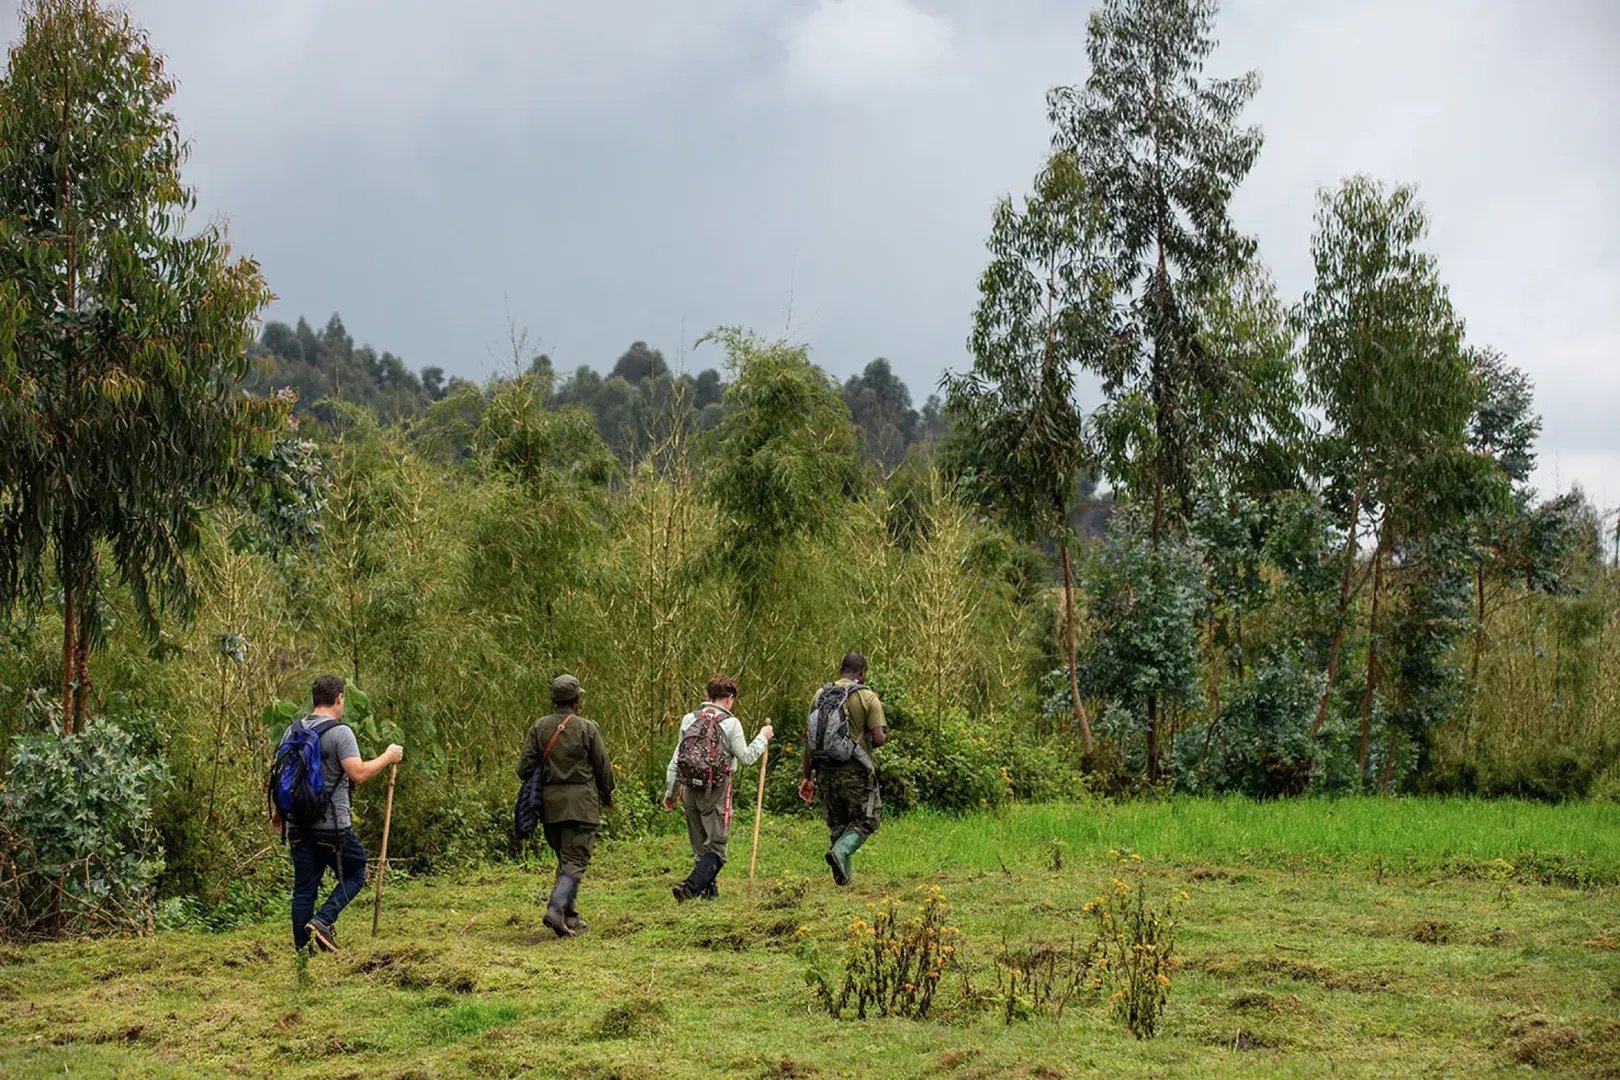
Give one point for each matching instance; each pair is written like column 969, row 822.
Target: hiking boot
column 322, row 934
column 838, row 856
column 711, row 893
column 700, row 882
column 576, row 925
column 562, row 898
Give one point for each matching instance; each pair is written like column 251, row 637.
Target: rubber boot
column 838, row 856
column 562, row 898
column 576, row 925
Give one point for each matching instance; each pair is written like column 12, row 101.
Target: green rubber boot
column 838, row 856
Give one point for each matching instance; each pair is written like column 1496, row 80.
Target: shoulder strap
column 551, row 744
column 323, row 727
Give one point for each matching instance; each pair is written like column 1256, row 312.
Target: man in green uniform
column 840, row 762
column 576, row 787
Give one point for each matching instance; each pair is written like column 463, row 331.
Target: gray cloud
column 650, row 169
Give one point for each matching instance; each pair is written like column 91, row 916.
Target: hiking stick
column 382, row 856
column 759, row 813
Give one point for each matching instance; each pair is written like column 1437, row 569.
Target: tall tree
column 881, row 406
column 122, row 341
column 1163, row 147
column 1043, row 314
column 1384, row 362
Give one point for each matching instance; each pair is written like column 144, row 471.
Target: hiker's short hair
column 854, row 664
column 326, row 690
column 722, row 686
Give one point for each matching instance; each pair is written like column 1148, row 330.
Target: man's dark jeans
column 314, row 851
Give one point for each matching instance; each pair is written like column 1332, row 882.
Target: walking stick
column 382, row 857
column 759, row 813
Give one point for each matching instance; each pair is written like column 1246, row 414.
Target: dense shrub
column 1260, row 742
column 79, row 851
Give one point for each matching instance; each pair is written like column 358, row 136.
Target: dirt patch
column 1288, row 1004
column 632, row 1019
column 1208, row 873
column 255, row 953
column 409, row 968
column 723, row 940
column 1269, row 969
column 788, row 1069
column 953, row 1059
column 1546, row 1042
column 1432, row 932
column 1606, row 942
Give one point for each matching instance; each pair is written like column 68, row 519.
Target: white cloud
column 844, row 48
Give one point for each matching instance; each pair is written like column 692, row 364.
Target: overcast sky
column 647, row 169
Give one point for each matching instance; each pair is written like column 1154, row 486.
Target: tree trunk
column 1372, row 663
column 1080, row 716
column 81, row 656
column 1345, row 594
column 1479, row 621
column 70, row 624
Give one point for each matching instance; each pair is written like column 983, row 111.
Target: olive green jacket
column 578, row 783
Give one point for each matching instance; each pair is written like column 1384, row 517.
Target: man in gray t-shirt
column 337, row 745
column 332, row 843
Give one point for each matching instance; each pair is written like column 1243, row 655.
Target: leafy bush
column 79, row 851
column 1260, row 743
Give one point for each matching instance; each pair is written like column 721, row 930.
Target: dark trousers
column 572, row 842
column 314, row 851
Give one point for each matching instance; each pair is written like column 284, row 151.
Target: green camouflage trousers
column 850, row 794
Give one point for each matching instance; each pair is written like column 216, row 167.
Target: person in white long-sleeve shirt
column 710, row 748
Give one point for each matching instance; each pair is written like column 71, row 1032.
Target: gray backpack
column 827, row 729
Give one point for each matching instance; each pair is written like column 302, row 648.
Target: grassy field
column 1357, row 938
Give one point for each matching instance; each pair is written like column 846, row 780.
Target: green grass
column 1576, row 844
column 1320, row 939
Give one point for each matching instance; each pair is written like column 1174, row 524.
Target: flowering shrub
column 894, row 962
column 1137, row 947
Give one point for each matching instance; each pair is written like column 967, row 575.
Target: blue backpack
column 298, row 787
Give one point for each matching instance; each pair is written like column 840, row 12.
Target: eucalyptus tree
column 1043, row 316
column 1385, row 364
column 1165, row 151
column 122, row 339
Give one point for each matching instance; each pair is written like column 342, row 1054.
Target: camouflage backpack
column 698, row 756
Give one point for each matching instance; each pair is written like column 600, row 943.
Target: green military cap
column 564, row 688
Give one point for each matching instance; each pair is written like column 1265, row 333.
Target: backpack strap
column 551, row 744
column 320, row 729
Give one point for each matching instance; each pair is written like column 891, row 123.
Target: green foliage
column 781, row 459
column 121, row 340
column 1042, row 317
column 80, row 852
column 1144, row 602
column 1163, row 148
column 1260, row 742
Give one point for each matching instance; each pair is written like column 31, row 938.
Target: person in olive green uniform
column 849, row 789
column 576, row 788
